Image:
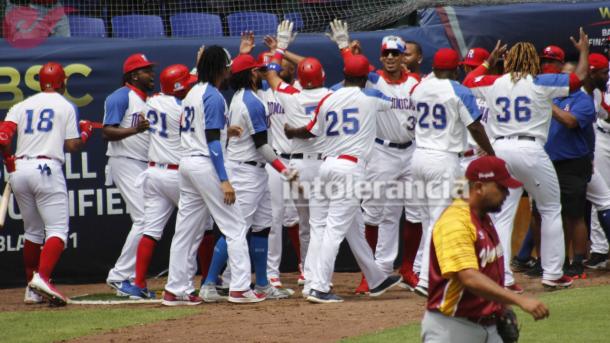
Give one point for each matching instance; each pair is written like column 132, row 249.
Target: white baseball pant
column 334, row 217
column 200, row 197
column 597, row 194
column 308, row 168
column 124, row 173
column 161, row 195
column 529, row 163
column 388, row 167
column 434, row 174
column 39, row 186
column 284, row 215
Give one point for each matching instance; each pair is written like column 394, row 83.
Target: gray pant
column 439, row 328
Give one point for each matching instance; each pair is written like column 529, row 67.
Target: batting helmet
column 51, row 75
column 176, row 78
column 310, row 73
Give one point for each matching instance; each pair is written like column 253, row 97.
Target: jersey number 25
column 349, row 124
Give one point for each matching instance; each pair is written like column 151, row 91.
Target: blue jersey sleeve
column 337, row 86
column 256, row 112
column 552, row 80
column 375, row 93
column 467, row 98
column 373, row 77
column 115, row 106
column 213, row 109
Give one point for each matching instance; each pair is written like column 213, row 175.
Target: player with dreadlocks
column 518, row 124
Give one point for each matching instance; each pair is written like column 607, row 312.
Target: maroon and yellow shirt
column 460, row 240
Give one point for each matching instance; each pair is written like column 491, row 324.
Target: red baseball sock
column 205, row 253
column 146, row 247
column 31, row 258
column 411, row 236
column 51, row 251
column 371, row 234
column 293, row 235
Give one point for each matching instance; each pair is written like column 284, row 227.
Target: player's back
column 444, row 108
column 44, row 121
column 250, row 113
column 523, row 108
column 164, row 116
column 398, row 124
column 203, row 108
column 349, row 116
column 277, row 119
column 299, row 106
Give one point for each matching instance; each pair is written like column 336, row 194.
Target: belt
column 467, row 153
column 163, row 165
column 485, row 321
column 285, row 156
column 39, row 157
column 393, row 145
column 602, row 129
column 521, row 138
column 348, row 157
column 254, row 163
column 306, row 156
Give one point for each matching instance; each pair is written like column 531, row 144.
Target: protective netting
column 190, row 18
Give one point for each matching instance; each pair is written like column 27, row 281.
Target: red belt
column 42, row 157
column 164, row 165
column 468, row 153
column 348, row 157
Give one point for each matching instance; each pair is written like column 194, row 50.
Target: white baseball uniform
column 127, row 158
column 444, row 108
column 283, row 211
column 471, row 153
column 201, row 195
column 306, row 155
column 519, row 120
column 391, row 162
column 347, row 120
column 44, row 121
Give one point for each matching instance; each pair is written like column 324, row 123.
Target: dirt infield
column 292, row 320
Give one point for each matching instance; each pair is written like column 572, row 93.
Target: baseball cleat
column 409, row 280
column 244, row 297
column 275, row 282
column 323, row 297
column 271, row 292
column 515, row 288
column 47, row 291
column 563, row 282
column 535, row 271
column 170, row 299
column 305, row 293
column 363, row 288
column 121, row 287
column 209, row 294
column 301, row 280
column 389, row 282
column 522, row 266
column 597, row 261
column 137, row 293
column 421, row 291
column 32, row 297
column 576, row 271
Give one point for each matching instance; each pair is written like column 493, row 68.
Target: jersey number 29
column 45, row 121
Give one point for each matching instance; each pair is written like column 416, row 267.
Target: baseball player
column 46, row 124
column 126, row 130
column 519, row 119
column 446, row 111
column 205, row 188
column 413, row 57
column 347, row 121
column 160, row 181
column 247, row 155
column 306, row 156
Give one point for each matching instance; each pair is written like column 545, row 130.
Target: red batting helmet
column 176, row 78
column 51, row 75
column 310, row 73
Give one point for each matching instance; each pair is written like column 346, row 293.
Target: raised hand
column 338, row 33
column 284, row 34
column 498, row 51
column 247, row 43
column 583, row 41
column 270, row 42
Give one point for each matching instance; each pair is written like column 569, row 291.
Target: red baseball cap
column 553, row 52
column 136, row 61
column 475, row 57
column 243, row 62
column 356, row 66
column 597, row 61
column 491, row 168
column 445, row 59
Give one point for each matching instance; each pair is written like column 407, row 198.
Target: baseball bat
column 4, row 204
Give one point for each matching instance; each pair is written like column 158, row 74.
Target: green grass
column 577, row 315
column 50, row 326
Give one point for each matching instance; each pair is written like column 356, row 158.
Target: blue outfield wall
column 99, row 224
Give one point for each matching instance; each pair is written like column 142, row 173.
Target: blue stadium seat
column 259, row 22
column 195, row 25
column 86, row 26
column 137, row 26
column 297, row 19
